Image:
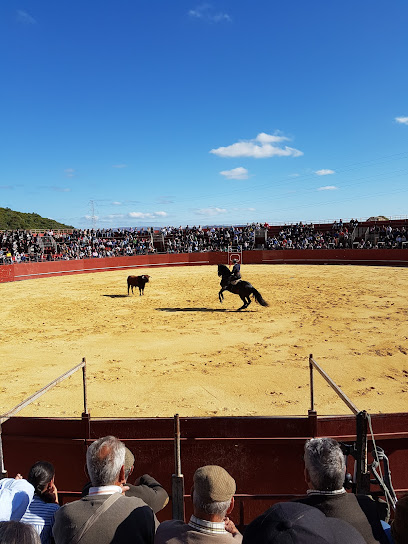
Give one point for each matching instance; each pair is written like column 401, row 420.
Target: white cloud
column 147, row 215
column 69, row 172
column 211, row 211
column 165, row 200
column 115, row 216
column 206, row 12
column 328, row 188
column 324, row 172
column 92, row 217
column 263, row 146
column 60, row 189
column 117, row 203
column 402, row 120
column 119, row 165
column 25, row 18
column 235, row 173
column 55, row 188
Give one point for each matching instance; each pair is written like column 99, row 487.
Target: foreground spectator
column 146, row 488
column 105, row 515
column 15, row 532
column 287, row 523
column 41, row 510
column 324, row 474
column 399, row 527
column 213, row 499
column 15, row 495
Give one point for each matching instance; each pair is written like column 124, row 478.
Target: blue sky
column 183, row 112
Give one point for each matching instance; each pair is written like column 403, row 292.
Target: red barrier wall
column 263, row 454
column 378, row 257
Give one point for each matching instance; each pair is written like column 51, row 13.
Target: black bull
column 137, row 281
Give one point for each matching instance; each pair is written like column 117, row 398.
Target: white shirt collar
column 317, row 492
column 105, row 490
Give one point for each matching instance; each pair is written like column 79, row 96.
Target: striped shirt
column 40, row 515
column 207, row 527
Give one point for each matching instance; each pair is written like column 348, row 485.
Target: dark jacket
column 346, row 506
column 128, row 521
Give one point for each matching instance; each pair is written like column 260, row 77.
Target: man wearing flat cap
column 213, row 499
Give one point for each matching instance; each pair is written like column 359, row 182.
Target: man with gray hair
column 105, row 515
column 213, row 499
column 325, row 472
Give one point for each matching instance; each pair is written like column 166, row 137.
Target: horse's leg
column 220, row 295
column 244, row 305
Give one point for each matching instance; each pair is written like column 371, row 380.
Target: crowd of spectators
column 301, row 236
column 20, row 246
column 192, row 239
column 87, row 244
column 389, row 237
column 113, row 511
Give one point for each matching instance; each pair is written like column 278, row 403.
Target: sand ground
column 177, row 349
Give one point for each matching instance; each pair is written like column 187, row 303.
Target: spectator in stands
column 105, row 515
column 399, row 527
column 301, row 524
column 15, row 532
column 146, row 488
column 41, row 510
column 15, row 495
column 324, row 474
column 213, row 499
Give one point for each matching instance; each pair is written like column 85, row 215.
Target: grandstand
column 36, row 245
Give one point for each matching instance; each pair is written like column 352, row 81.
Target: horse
column 137, row 281
column 242, row 288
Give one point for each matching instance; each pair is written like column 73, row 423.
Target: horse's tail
column 258, row 297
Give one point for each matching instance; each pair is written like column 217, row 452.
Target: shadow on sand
column 195, row 310
column 116, row 296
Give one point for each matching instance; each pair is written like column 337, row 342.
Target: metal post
column 311, row 383
column 84, row 387
column 362, row 475
column 177, row 478
column 3, row 472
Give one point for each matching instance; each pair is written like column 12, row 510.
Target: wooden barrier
column 376, row 257
column 263, row 454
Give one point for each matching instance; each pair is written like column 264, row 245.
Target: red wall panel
column 378, row 257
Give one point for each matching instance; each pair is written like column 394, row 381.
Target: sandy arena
column 177, row 349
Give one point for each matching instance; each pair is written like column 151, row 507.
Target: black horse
column 242, row 288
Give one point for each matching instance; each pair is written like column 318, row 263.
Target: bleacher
column 25, row 246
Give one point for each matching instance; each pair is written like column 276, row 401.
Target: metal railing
column 360, row 450
column 334, row 386
column 4, row 417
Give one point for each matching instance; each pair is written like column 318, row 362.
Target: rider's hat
column 234, row 260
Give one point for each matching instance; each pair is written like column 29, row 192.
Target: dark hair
column 41, row 474
column 16, row 532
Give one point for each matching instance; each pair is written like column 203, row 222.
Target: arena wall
column 377, row 257
column 264, row 454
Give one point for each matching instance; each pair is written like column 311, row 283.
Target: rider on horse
column 235, row 273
